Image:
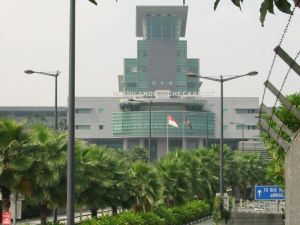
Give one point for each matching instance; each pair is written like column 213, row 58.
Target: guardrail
column 78, row 217
column 267, row 207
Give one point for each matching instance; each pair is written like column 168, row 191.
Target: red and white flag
column 172, row 121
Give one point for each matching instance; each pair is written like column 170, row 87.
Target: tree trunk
column 43, row 213
column 55, row 211
column 94, row 212
column 114, row 210
column 5, row 191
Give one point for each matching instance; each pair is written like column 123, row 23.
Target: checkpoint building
column 157, row 80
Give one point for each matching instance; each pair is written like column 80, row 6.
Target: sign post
column 6, row 218
column 268, row 193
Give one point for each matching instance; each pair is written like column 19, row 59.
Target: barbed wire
column 284, row 81
column 275, row 56
column 281, row 88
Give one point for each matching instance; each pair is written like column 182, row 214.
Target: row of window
column 87, row 127
column 142, row 53
column 101, row 127
column 135, row 69
column 162, row 82
column 246, row 111
column 243, row 111
column 159, row 83
column 246, row 127
column 162, row 27
column 144, row 69
column 87, row 110
column 241, row 126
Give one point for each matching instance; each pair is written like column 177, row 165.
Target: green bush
column 162, row 215
column 152, row 219
column 130, row 218
column 191, row 211
column 166, row 214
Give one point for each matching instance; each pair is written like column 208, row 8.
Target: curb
column 200, row 220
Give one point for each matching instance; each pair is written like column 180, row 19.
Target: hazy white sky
column 35, row 34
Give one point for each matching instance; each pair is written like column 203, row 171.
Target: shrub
column 166, row 214
column 129, row 218
column 152, row 219
column 162, row 215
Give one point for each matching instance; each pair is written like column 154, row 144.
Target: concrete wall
column 255, row 219
column 292, row 183
column 161, row 147
column 230, row 115
column 96, row 117
column 111, row 104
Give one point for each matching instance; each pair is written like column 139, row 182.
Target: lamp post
column 150, row 123
column 221, row 80
column 243, row 133
column 71, row 118
column 55, row 75
column 206, row 141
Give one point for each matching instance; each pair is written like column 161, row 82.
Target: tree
column 250, row 169
column 147, row 185
column 137, row 153
column 175, row 178
column 15, row 158
column 275, row 170
column 48, row 169
column 101, row 179
column 208, row 171
column 267, row 6
column 92, row 173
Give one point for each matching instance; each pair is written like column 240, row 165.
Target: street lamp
column 150, row 115
column 55, row 75
column 243, row 133
column 71, row 118
column 221, row 80
column 206, row 144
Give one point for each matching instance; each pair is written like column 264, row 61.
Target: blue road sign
column 269, row 193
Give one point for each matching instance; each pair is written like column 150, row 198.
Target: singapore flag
column 172, row 121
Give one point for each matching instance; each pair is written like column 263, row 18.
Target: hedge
column 162, row 215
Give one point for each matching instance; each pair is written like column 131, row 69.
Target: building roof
column 143, row 11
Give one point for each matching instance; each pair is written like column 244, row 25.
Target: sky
column 228, row 41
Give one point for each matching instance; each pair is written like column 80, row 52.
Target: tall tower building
column 161, row 62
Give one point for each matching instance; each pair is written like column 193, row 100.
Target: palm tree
column 93, row 176
column 15, row 158
column 147, row 185
column 137, row 153
column 204, row 162
column 47, row 172
column 102, row 180
column 175, row 178
column 208, row 171
column 122, row 192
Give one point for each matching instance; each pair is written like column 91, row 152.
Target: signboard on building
column 265, row 193
column 6, row 218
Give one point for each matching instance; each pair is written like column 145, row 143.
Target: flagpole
column 183, row 120
column 167, row 135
